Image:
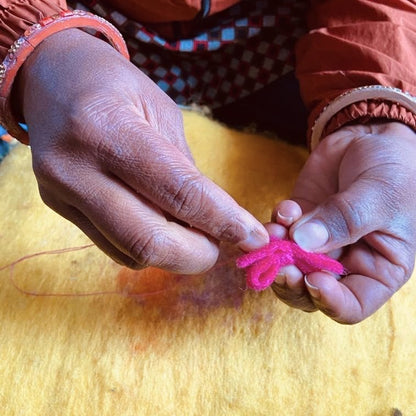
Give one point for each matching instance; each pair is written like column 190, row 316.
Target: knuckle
column 56, row 174
column 147, row 251
column 346, row 220
column 231, row 231
column 335, row 316
column 127, row 262
column 123, row 260
column 188, row 200
column 46, row 168
column 94, row 117
column 407, row 271
column 396, row 276
column 47, row 198
column 295, row 300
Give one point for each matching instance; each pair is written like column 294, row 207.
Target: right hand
column 110, row 155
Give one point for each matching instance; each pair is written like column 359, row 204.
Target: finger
column 291, row 278
column 301, row 302
column 155, row 168
column 83, row 223
column 289, row 287
column 319, row 176
column 141, row 231
column 375, row 276
column 343, row 218
column 276, row 230
column 350, row 300
column 286, row 212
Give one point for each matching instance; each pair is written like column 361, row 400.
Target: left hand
column 354, row 198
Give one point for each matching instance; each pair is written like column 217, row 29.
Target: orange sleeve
column 16, row 16
column 356, row 43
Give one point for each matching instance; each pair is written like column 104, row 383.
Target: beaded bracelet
column 33, row 36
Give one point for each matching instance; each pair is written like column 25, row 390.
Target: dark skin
column 357, row 193
column 109, row 154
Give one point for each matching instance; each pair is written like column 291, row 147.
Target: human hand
column 109, row 154
column 357, row 194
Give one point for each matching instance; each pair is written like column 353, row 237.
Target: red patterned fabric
column 224, row 57
column 157, row 11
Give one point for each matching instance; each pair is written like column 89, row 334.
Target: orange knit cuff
column 366, row 111
column 361, row 105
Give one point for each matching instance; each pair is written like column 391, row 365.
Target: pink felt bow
column 264, row 263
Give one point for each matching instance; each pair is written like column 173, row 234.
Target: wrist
column 23, row 47
column 377, row 127
column 41, row 61
column 391, row 134
column 363, row 105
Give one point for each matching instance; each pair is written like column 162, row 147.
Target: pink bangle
column 33, row 36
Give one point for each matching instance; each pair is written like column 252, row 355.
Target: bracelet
column 25, row 45
column 371, row 92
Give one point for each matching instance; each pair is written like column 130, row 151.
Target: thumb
column 342, row 219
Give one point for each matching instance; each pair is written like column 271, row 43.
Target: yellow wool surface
column 244, row 353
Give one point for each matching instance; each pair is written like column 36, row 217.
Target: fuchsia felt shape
column 264, row 263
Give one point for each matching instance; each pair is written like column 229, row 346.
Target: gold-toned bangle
column 369, row 92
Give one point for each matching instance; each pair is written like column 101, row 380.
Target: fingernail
column 284, row 218
column 313, row 290
column 311, row 235
column 256, row 239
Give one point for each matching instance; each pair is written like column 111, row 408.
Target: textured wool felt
column 196, row 346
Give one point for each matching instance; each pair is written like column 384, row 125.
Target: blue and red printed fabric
column 218, row 59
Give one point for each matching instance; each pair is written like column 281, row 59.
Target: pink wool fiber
column 263, row 265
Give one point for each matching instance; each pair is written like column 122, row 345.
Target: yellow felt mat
column 194, row 347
